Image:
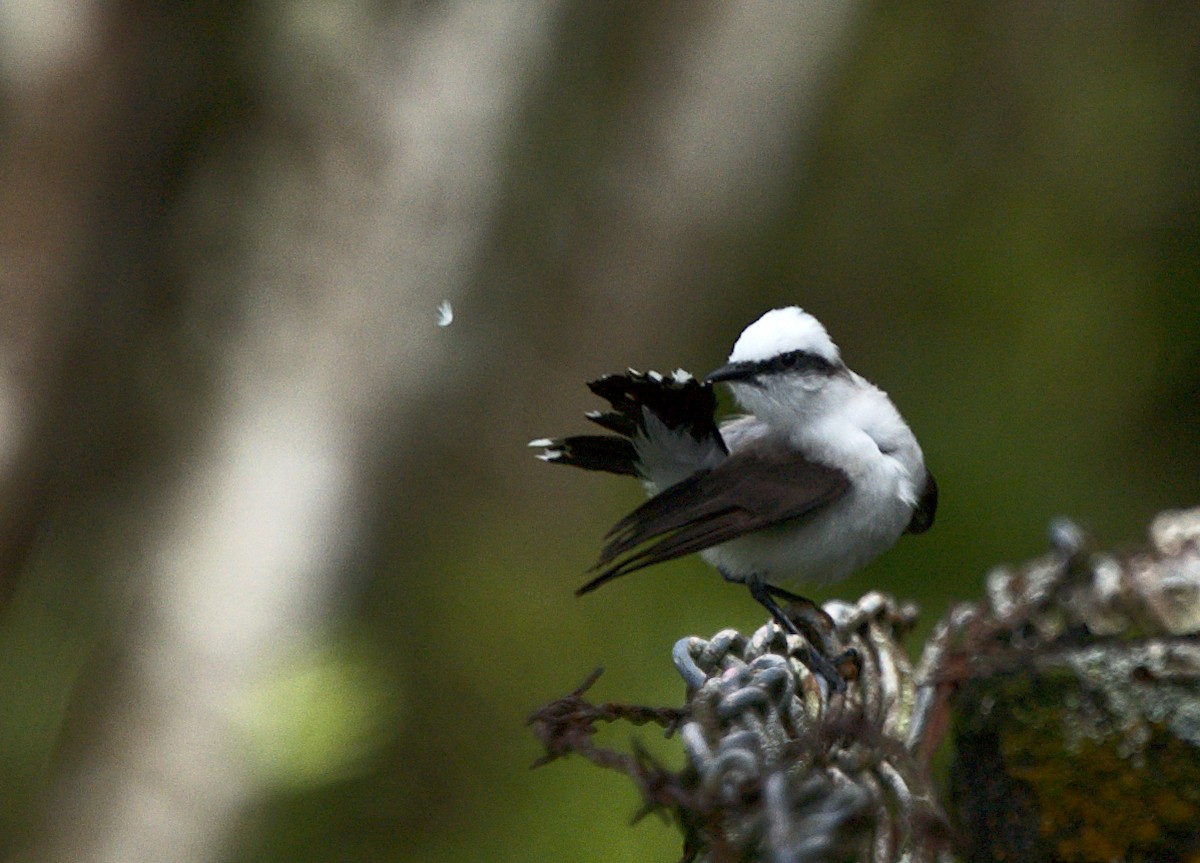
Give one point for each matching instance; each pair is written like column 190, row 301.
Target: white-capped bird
column 819, row 477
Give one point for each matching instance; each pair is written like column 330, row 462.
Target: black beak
column 733, row 372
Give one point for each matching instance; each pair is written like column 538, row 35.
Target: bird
column 814, row 479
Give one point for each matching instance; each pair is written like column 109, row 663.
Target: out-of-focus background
column 280, row 580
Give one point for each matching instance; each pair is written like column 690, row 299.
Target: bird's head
column 784, row 356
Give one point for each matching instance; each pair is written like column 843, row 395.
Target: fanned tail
column 650, row 413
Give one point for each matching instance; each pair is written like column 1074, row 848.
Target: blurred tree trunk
column 257, row 252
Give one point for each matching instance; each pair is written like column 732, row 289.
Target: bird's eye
column 801, row 361
column 795, row 360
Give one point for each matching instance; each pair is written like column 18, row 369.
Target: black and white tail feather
column 666, row 435
column 646, row 409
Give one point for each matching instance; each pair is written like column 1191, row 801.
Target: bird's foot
column 808, row 620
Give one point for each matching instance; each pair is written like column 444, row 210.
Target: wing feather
column 748, row 491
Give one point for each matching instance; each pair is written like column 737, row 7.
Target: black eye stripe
column 797, row 361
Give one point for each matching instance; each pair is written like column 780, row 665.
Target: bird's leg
column 818, row 626
column 817, row 660
column 806, row 618
column 815, row 623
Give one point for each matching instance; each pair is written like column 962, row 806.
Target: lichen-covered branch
column 1074, row 695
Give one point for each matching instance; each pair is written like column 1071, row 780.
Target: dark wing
column 745, row 493
column 679, row 402
column 922, row 517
